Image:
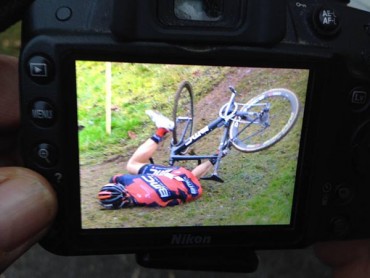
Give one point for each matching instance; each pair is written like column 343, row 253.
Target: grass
column 10, row 41
column 136, row 88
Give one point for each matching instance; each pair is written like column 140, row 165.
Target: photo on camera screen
column 258, row 187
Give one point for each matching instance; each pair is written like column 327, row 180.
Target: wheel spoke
column 183, row 113
column 275, row 113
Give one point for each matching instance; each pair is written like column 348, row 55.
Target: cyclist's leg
column 202, row 169
column 141, row 156
column 145, row 151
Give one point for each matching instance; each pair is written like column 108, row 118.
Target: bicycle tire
column 183, row 108
column 282, row 101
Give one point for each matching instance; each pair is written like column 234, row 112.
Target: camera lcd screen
column 258, row 185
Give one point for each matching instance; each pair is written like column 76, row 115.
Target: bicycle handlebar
column 233, row 90
column 232, row 98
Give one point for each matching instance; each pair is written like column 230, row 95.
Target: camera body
column 327, row 39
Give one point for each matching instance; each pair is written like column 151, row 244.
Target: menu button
column 42, row 113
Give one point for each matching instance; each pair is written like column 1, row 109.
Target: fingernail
column 27, row 206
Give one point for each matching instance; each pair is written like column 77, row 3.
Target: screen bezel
column 159, row 237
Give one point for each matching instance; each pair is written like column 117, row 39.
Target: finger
column 28, row 206
column 9, row 93
column 9, row 257
column 340, row 253
column 9, row 111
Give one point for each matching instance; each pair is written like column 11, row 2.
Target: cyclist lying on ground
column 150, row 184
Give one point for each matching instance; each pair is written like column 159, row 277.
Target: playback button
column 40, row 69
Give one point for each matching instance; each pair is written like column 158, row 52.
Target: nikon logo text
column 188, row 239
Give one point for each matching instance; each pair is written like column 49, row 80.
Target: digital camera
column 90, row 69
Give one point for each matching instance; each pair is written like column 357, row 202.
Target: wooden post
column 108, row 98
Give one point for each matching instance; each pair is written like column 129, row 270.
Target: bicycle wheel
column 183, row 113
column 266, row 119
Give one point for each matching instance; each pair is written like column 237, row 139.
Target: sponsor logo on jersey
column 190, row 185
column 159, row 172
column 157, row 185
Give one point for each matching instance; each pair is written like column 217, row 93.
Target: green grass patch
column 10, row 41
column 135, row 88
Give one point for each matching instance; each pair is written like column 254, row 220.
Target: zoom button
column 45, row 155
column 42, row 113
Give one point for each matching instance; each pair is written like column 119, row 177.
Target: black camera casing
column 330, row 198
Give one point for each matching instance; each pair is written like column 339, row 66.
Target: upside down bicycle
column 248, row 127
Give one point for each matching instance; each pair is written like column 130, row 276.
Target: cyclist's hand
column 347, row 259
column 27, row 202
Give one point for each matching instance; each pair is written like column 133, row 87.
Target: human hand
column 347, row 258
column 27, row 201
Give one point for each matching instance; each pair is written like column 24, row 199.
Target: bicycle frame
column 230, row 112
column 178, row 149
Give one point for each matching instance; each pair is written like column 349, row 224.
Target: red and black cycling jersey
column 157, row 185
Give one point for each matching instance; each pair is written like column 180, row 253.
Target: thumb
column 27, row 208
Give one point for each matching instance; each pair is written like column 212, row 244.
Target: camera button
column 63, row 13
column 344, row 194
column 40, row 69
column 326, row 21
column 340, row 226
column 359, row 99
column 42, row 113
column 45, row 155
